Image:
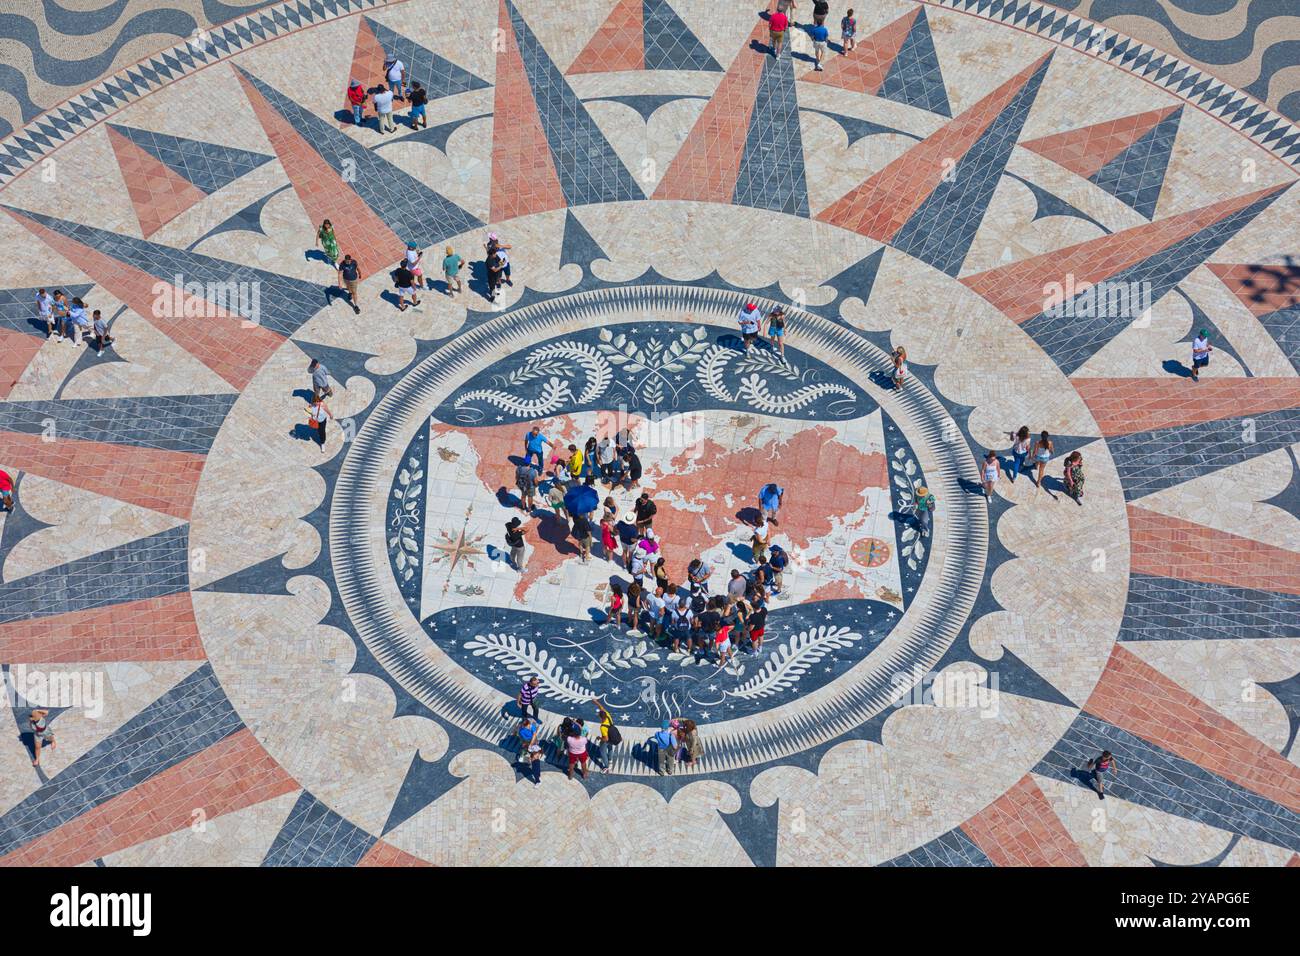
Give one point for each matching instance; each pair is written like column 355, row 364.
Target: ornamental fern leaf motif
column 787, row 664
column 517, row 654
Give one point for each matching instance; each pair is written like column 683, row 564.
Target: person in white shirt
column 384, row 108
column 1201, row 350
column 749, row 318
column 395, row 71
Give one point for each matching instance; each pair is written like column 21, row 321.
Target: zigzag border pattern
column 1261, row 125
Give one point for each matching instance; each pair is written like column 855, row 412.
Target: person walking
column 748, row 319
column 776, row 320
column 820, row 34
column 900, row 367
column 357, row 100
column 419, row 100
column 317, row 415
column 535, row 444
column 1020, row 445
column 383, row 99
column 848, row 30
column 1099, row 766
column 688, row 736
column 515, row 541
column 526, row 479
column 777, row 23
column 1201, row 350
column 100, row 327
column 581, row 530
column 45, row 310
column 925, row 504
column 527, row 699
column 451, row 264
column 6, row 491
column 413, row 257
column 820, row 9
column 530, row 748
column 349, row 273
column 1072, row 475
column 404, row 280
column 328, row 243
column 1043, row 449
column 989, row 473
column 78, row 322
column 320, row 380
column 38, row 726
column 395, row 73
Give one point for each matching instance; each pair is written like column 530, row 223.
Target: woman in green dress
column 328, row 242
column 1073, row 476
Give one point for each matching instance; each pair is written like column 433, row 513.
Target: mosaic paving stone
column 314, row 835
column 209, row 166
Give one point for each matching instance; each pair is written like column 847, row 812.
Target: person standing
column 820, row 34
column 100, row 327
column 317, row 415
column 1072, row 475
column 689, row 738
column 820, row 9
column 320, row 381
column 6, row 491
column 59, row 309
column 1043, row 449
column 526, row 478
column 1201, row 350
column 697, row 576
column 527, row 699
column 395, row 73
column 925, row 504
column 631, row 468
column 45, row 310
column 530, row 749
column 900, row 367
column 665, row 741
column 384, row 109
column 760, row 539
column 404, row 280
column 609, row 733
column 328, row 243
column 419, row 101
column 496, row 249
column 535, row 444
column 581, row 529
column 989, row 473
column 413, row 257
column 605, row 457
column 777, row 560
column 1100, row 766
column 769, row 499
column 614, row 613
column 776, row 320
column 848, row 30
column 349, row 273
column 576, row 745
column 645, row 512
column 515, row 541
column 357, row 100
column 776, row 25
column 78, row 322
column 451, row 264
column 38, row 726
column 1020, row 446
column 748, row 319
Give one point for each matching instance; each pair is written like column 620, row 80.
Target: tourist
column 1099, row 766
column 328, row 243
column 78, row 322
column 320, row 380
column 1072, row 476
column 605, row 458
column 1043, row 449
column 697, row 576
column 656, row 607
column 989, row 473
column 665, row 741
column 609, row 733
column 757, row 620
column 760, row 539
column 404, row 280
column 412, row 259
column 526, row 478
column 899, row 356
column 820, row 34
column 555, row 497
column 451, row 264
column 576, row 745
column 535, row 444
column 661, row 572
column 628, row 536
column 419, row 100
column 925, row 503
column 777, row 560
column 100, row 327
column 317, row 415
column 848, row 30
column 748, row 318
column 680, row 621
column 38, row 726
column 589, row 465
column 1201, row 350
column 635, row 594
column 496, row 249
column 1020, row 446
column 349, row 272
column 631, row 468
column 769, row 499
column 530, row 749
column 357, row 100
column 689, row 738
column 580, row 527
column 776, row 320
column 608, row 542
column 722, row 644
column 707, row 624
column 515, row 541
column 776, row 25
column 614, row 613
column 645, row 512
column 6, row 491
column 59, row 310
column 395, row 73
column 495, row 271
column 527, row 699
column 820, row 9
column 735, row 587
column 45, row 311
column 384, row 109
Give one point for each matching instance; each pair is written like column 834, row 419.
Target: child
column 607, row 540
column 615, row 612
column 848, row 28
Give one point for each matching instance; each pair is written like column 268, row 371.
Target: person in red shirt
column 357, row 100
column 777, row 23
column 6, row 492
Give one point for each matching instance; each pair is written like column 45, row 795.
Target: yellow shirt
column 575, row 464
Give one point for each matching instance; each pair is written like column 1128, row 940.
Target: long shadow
column 1084, row 777
column 882, row 379
column 741, row 552
column 971, row 487
column 478, row 278
column 748, row 515
column 303, row 432
column 1175, row 367
column 303, row 393
column 317, row 255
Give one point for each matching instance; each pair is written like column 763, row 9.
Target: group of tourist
column 1039, row 452
column 70, row 321
column 781, row 17
column 383, row 97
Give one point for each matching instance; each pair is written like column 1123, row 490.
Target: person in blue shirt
column 530, row 750
column 819, row 35
column 534, row 444
column 665, row 740
column 769, row 498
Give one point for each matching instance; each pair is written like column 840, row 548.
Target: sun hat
column 629, row 518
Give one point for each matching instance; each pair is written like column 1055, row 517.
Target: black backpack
column 615, row 738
